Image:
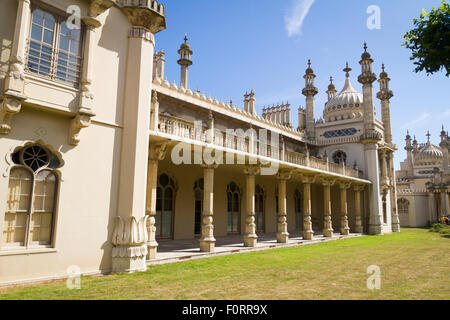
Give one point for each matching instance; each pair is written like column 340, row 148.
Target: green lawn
column 414, row 265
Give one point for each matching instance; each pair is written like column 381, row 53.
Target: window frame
column 172, row 184
column 4, row 246
column 231, row 193
column 59, row 17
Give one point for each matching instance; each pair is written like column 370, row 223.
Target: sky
column 265, row 45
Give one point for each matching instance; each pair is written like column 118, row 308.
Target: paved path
column 182, row 250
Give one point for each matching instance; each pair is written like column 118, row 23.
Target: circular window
column 35, row 157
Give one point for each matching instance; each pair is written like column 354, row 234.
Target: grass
column 414, row 265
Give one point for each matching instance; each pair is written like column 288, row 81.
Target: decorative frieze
column 141, row 32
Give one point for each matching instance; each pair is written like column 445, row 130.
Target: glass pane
column 168, row 199
column 158, row 223
column 48, row 37
column 36, row 32
column 167, row 224
column 63, row 43
column 74, row 45
column 38, row 17
column 230, row 222
column 49, row 21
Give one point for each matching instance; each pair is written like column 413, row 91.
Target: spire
column 347, row 70
column 185, row 62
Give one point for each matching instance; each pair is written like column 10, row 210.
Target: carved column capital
column 252, row 170
column 327, row 181
column 308, row 178
column 345, row 185
column 80, row 121
column 158, row 152
column 284, row 175
column 359, row 187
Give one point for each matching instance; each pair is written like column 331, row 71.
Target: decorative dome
column 346, row 105
column 428, row 154
column 365, row 55
column 309, row 70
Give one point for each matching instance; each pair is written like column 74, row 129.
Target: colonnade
column 250, row 238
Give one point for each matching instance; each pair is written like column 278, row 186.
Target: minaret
column 331, row 90
column 444, row 147
column 370, row 139
column 409, row 148
column 251, row 103
column 185, row 62
column 385, row 95
column 366, row 78
column 310, row 91
column 158, row 67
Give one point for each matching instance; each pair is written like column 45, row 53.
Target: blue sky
column 265, row 45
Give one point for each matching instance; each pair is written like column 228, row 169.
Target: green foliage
column 429, row 41
column 437, row 227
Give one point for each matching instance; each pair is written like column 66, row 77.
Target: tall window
column 298, row 210
column 30, row 202
column 340, row 157
column 259, row 209
column 234, row 205
column 403, row 206
column 198, row 191
column 165, row 204
column 54, row 48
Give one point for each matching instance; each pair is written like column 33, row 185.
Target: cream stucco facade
column 103, row 158
column 423, row 182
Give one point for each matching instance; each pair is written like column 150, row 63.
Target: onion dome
column 309, row 70
column 383, row 75
column 331, row 86
column 428, row 154
column 365, row 55
column 348, row 104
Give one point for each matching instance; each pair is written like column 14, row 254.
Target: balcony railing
column 184, row 129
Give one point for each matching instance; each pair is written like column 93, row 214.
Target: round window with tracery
column 35, row 157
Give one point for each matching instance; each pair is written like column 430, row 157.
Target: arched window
column 260, row 208
column 234, row 205
column 403, row 206
column 165, row 207
column 30, row 202
column 198, row 195
column 340, row 157
column 298, row 210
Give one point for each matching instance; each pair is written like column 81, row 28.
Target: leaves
column 429, row 41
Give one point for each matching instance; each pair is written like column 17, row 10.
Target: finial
column 185, row 38
column 347, row 70
column 428, row 136
column 331, row 79
column 309, row 63
column 365, row 46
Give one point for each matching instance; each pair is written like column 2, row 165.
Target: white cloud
column 424, row 116
column 297, row 14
